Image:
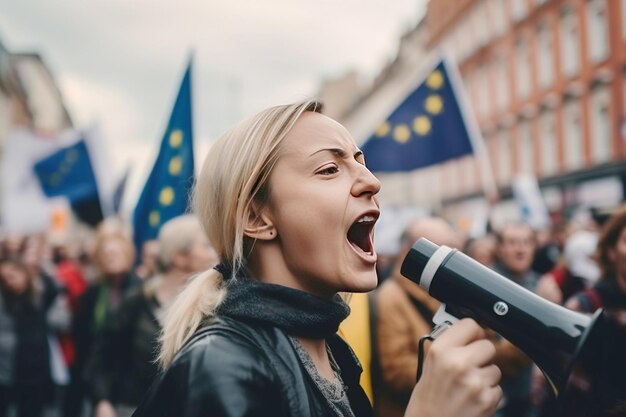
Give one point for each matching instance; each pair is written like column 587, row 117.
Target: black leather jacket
column 233, row 369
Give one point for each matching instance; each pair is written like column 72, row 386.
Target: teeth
column 366, row 218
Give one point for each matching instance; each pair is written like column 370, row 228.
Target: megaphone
column 563, row 343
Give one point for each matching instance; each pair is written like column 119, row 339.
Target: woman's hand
column 459, row 378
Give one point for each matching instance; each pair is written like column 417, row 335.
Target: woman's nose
column 365, row 183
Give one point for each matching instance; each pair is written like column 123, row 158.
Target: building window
column 573, row 139
column 499, row 15
column 522, row 65
column 601, row 132
column 623, row 18
column 597, row 38
column 525, row 150
column 465, row 39
column 519, row 9
column 482, row 91
column 570, row 45
column 482, row 25
column 548, row 144
column 546, row 55
column 502, row 82
column 504, row 156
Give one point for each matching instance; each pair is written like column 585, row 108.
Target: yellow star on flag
column 154, row 218
column 421, row 125
column 402, row 134
column 166, row 196
column 176, row 138
column 383, row 129
column 435, row 80
column 176, row 165
column 434, row 104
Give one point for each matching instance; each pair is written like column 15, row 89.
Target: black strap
column 375, row 371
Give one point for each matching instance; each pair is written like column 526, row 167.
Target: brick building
column 546, row 80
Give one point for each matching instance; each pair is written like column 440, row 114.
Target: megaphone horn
column 558, row 340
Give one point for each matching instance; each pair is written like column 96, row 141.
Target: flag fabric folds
column 69, row 173
column 427, row 128
column 119, row 191
column 166, row 192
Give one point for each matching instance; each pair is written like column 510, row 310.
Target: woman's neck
column 316, row 348
column 268, row 266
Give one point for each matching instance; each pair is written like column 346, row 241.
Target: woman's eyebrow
column 337, row 151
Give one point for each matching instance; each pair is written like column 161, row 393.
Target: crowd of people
column 87, row 327
column 79, row 323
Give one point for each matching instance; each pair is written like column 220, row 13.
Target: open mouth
column 360, row 233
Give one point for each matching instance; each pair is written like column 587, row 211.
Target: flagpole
column 476, row 139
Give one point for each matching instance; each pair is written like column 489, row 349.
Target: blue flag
column 425, row 129
column 166, row 193
column 69, row 173
column 119, row 191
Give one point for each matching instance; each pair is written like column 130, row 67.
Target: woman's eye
column 330, row 170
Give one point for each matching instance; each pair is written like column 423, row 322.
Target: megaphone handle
column 442, row 320
column 442, row 316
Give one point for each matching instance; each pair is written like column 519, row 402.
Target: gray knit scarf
column 296, row 312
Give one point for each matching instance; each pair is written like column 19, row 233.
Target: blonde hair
column 105, row 236
column 234, row 175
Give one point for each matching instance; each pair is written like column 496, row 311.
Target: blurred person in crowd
column 149, row 254
column 113, row 256
column 514, row 258
column 609, row 293
column 69, row 273
column 37, row 255
column 12, row 245
column 610, row 290
column 125, row 358
column 482, row 249
column 576, row 270
column 32, row 310
column 287, row 201
column 549, row 247
column 404, row 313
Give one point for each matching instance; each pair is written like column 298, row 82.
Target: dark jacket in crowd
column 28, row 324
column 234, row 368
column 92, row 311
column 124, row 358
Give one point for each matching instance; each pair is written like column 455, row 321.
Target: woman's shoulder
column 225, row 366
column 229, row 344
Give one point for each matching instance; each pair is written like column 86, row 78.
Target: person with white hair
column 124, row 363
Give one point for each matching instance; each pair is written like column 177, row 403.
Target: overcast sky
column 118, row 63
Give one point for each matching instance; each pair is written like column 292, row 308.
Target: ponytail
column 193, row 306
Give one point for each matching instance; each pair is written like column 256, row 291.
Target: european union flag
column 166, row 193
column 68, row 173
column 426, row 129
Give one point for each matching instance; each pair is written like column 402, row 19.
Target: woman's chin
column 365, row 284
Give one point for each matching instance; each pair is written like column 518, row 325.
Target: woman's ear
column 260, row 225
